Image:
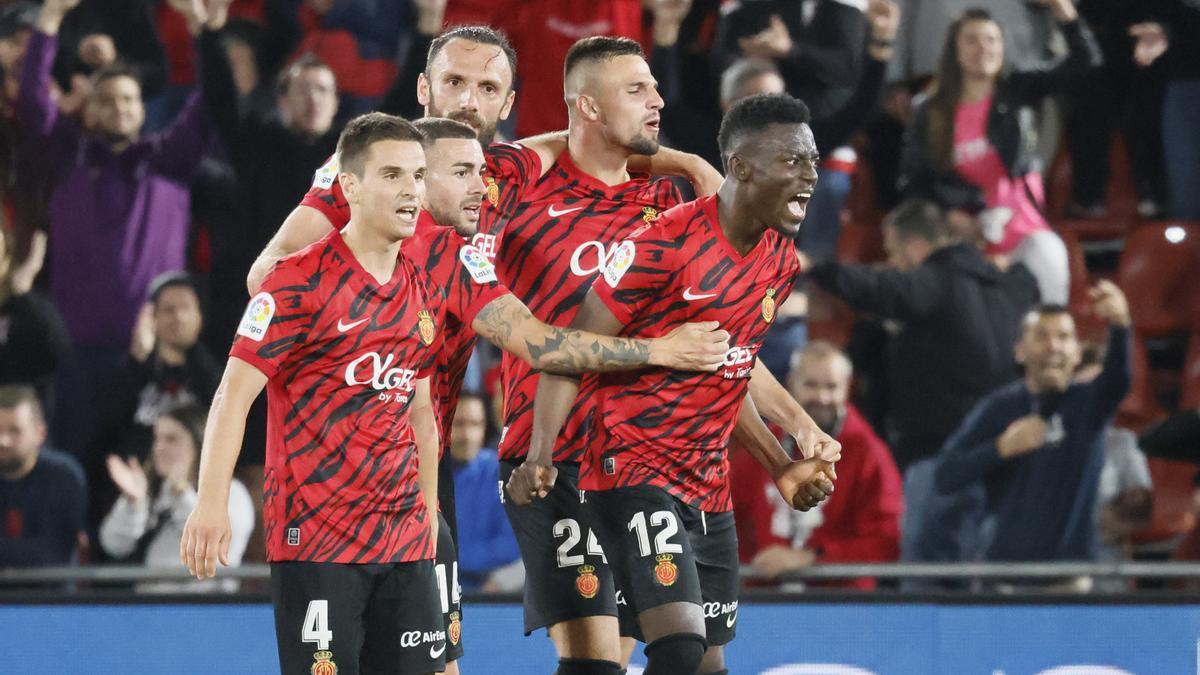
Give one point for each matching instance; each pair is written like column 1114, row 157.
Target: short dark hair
column 599, row 48
column 755, row 113
column 114, row 70
column 15, row 395
column 434, row 129
column 307, row 61
column 484, row 35
column 364, row 131
column 922, row 219
column 168, row 280
column 1041, row 311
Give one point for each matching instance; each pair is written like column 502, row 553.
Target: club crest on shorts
column 665, row 572
column 649, row 213
column 493, row 191
column 768, row 306
column 323, row 664
column 454, row 630
column 588, row 584
column 425, row 324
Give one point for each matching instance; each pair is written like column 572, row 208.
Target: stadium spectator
column 971, row 142
column 860, row 522
column 1037, row 445
column 1172, row 37
column 145, row 524
column 958, row 316
column 1118, row 95
column 167, row 366
column 817, row 45
column 22, row 197
column 42, row 491
column 359, row 41
column 33, row 340
column 488, row 557
column 118, row 212
column 272, row 159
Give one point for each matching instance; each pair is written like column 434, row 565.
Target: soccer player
column 343, row 333
column 468, row 77
column 477, row 303
column 654, row 481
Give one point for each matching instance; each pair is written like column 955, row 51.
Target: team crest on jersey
column 768, row 306
column 257, row 317
column 326, row 175
column 493, row 191
column 588, row 584
column 477, row 264
column 323, row 664
column 665, row 572
column 425, row 324
column 649, row 213
column 619, row 262
column 454, row 630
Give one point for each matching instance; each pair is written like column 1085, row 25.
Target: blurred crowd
column 998, row 320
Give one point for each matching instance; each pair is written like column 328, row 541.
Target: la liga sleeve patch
column 482, row 271
column 258, row 317
column 619, row 262
column 327, row 174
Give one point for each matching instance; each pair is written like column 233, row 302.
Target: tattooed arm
column 551, row 406
column 509, row 324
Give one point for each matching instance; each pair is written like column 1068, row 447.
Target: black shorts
column 449, row 592
column 566, row 573
column 662, row 550
column 362, row 619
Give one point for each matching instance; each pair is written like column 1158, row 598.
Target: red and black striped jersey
column 342, row 353
column 469, row 282
column 511, row 170
column 550, row 252
column 670, row 428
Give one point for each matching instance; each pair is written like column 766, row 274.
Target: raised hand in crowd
column 1063, row 10
column 430, row 15
column 21, row 275
column 142, row 341
column 51, row 17
column 668, row 17
column 97, row 51
column 1151, row 42
column 129, row 477
column 775, row 42
column 884, row 19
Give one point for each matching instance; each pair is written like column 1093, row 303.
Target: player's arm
column 509, row 324
column 803, row 483
column 303, row 226
column 207, row 533
column 776, row 404
column 666, row 162
column 551, row 406
column 425, row 432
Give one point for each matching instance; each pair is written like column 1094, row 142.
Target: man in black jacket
column 957, row 319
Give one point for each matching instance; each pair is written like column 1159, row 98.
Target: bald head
column 820, row 381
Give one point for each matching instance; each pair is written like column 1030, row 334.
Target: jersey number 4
column 316, row 624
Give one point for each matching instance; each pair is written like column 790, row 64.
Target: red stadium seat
column 1160, row 273
column 1173, row 517
column 1080, row 279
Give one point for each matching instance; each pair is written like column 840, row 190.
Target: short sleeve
column 325, row 194
column 636, row 272
column 276, row 320
column 511, row 167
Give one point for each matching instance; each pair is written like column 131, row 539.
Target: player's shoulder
column 687, row 216
column 325, row 177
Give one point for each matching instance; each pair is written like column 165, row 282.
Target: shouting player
column 655, row 480
column 343, row 334
column 478, row 304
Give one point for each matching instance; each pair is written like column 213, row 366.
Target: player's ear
column 508, row 104
column 587, row 107
column 349, row 183
column 738, row 168
column 423, row 89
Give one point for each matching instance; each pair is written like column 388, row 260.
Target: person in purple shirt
column 118, row 208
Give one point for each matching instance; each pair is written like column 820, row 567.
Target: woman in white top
column 146, row 523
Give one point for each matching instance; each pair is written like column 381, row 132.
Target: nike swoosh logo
column 435, row 652
column 555, row 214
column 689, row 295
column 731, row 620
column 343, row 327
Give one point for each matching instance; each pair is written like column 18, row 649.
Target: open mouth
column 798, row 204
column 408, row 212
column 653, row 124
column 471, row 211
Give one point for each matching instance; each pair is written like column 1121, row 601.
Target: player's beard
column 641, row 145
column 483, row 131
